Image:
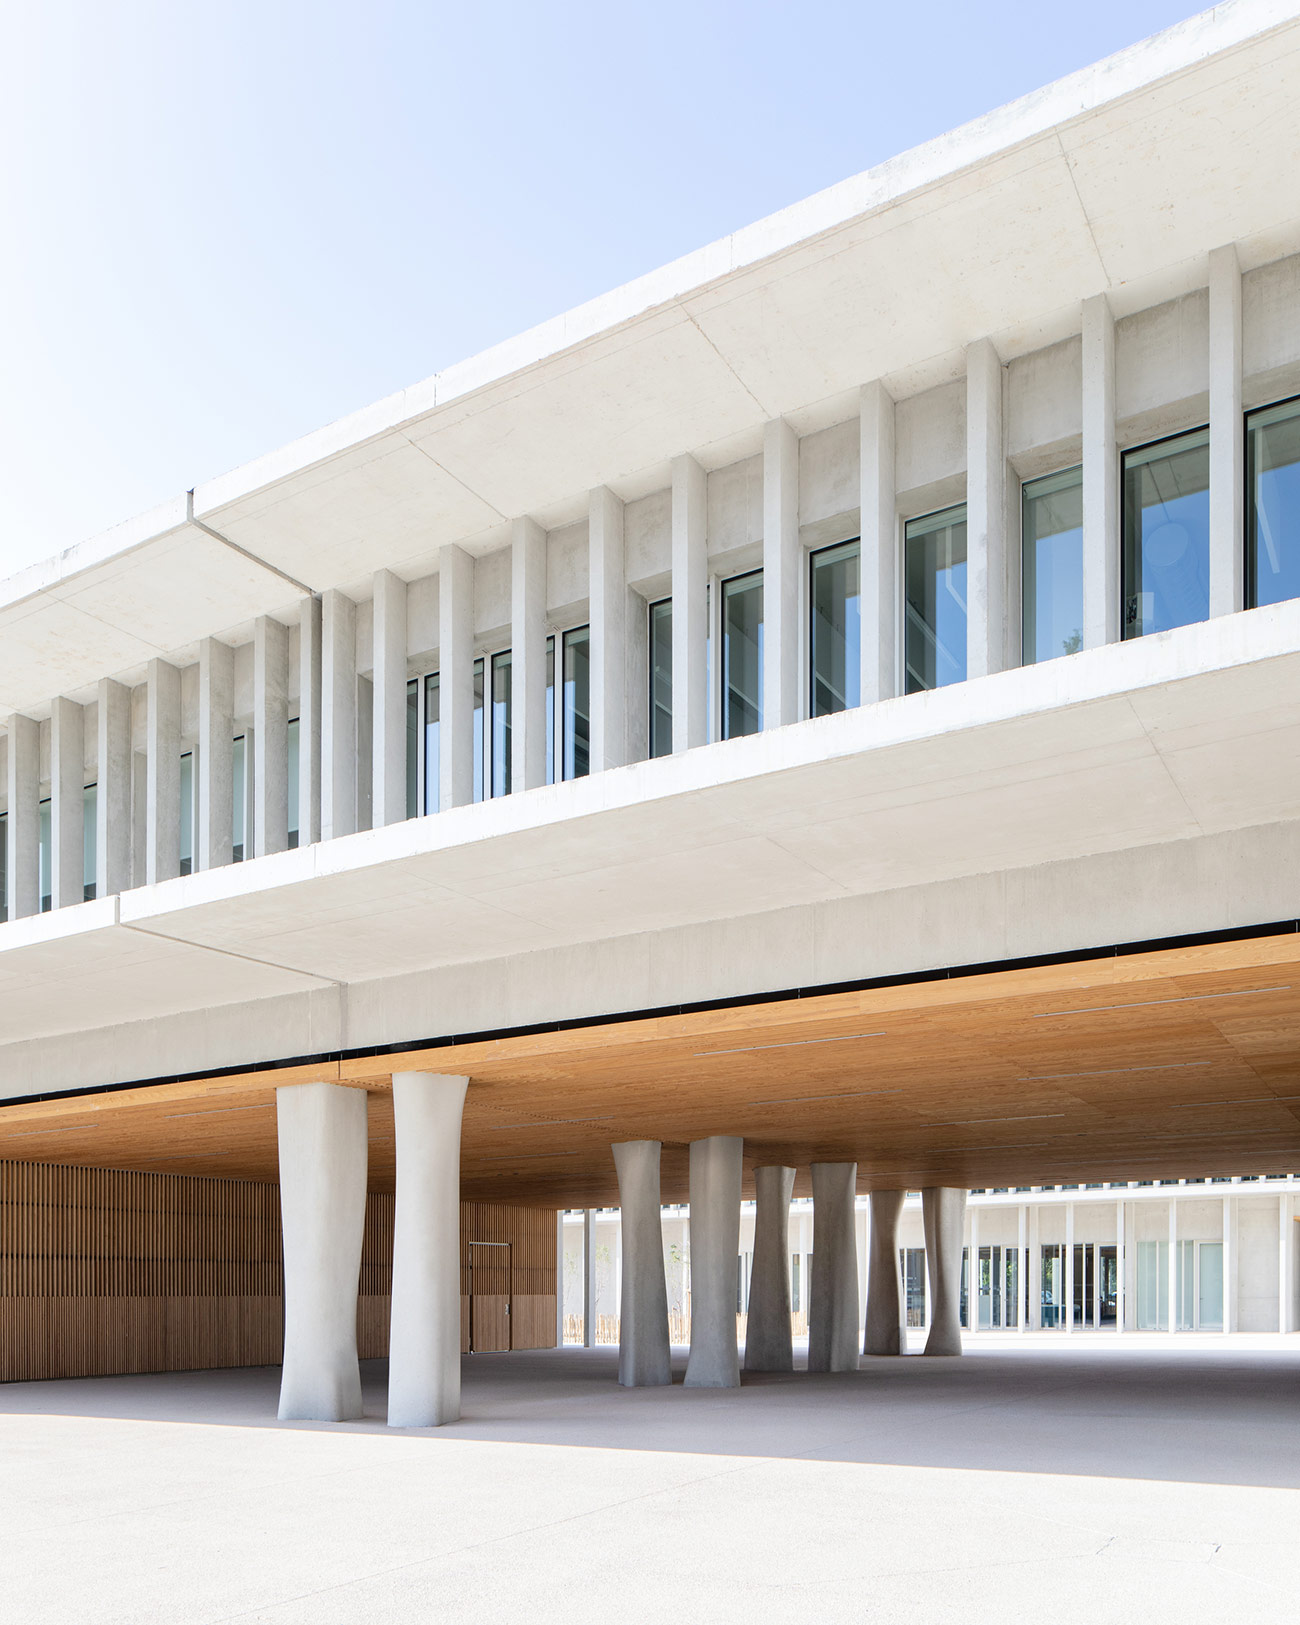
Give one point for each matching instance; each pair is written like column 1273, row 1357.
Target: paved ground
column 1089, row 1480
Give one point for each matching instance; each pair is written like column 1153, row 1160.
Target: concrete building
column 830, row 705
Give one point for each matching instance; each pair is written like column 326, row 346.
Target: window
column 432, row 743
column 575, row 703
column 1167, row 534
column 492, row 716
column 187, row 814
column 1273, row 504
column 935, row 606
column 1051, row 541
column 89, row 841
column 4, row 866
column 835, row 633
column 661, row 678
column 45, row 857
column 294, row 761
column 239, row 798
column 742, row 655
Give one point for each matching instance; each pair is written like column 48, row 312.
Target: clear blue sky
column 227, row 225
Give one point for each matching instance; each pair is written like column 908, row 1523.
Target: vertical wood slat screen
column 107, row 1271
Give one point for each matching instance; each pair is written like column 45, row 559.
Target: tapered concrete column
column 322, row 1132
column 338, row 722
column 270, row 736
column 607, row 592
column 388, row 750
column 309, row 720
column 781, row 561
column 67, row 804
column 644, row 1359
column 424, row 1336
column 767, row 1329
column 589, row 1278
column 1100, row 477
column 23, row 824
column 943, row 1210
column 716, row 1166
column 162, row 848
column 690, row 615
column 528, row 655
column 455, row 677
column 216, row 753
column 833, row 1302
column 879, row 545
column 113, row 793
column 1227, row 450
column 986, row 476
column 886, row 1322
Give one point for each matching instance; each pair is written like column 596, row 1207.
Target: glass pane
column 413, row 747
column 501, row 686
column 239, row 797
column 742, row 655
column 1052, row 566
column 550, row 709
column 479, row 725
column 1167, row 534
column 432, row 760
column 44, row 858
column 935, row 637
column 661, row 678
column 89, row 840
column 1011, row 1295
column 577, row 702
column 4, row 866
column 1153, row 1286
column 294, row 823
column 1209, row 1306
column 187, row 813
column 1273, row 504
column 836, row 630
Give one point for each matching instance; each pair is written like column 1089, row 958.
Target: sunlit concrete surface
column 1082, row 1479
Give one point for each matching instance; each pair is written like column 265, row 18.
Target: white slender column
column 690, row 615
column 338, row 722
column 1022, row 1272
column 1067, row 1286
column 986, row 554
column 162, row 847
column 23, row 824
column 1101, row 585
column 270, row 736
column 1121, row 1272
column 833, row 1304
column 216, row 755
column 424, row 1337
column 67, row 803
column 943, row 1210
column 714, row 1360
column 528, row 655
column 1173, row 1264
column 885, row 1330
column 456, row 677
column 309, row 720
column 589, row 1277
column 322, row 1134
column 113, row 793
column 644, row 1355
column 767, row 1328
column 388, row 749
column 879, row 546
column 780, row 574
column 1227, row 454
column 607, row 592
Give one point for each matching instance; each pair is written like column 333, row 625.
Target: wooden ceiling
column 1183, row 1062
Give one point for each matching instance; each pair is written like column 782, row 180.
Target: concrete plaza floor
column 1081, row 1479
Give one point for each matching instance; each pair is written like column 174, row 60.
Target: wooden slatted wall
column 104, row 1271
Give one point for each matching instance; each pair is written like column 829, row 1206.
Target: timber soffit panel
column 1180, row 1062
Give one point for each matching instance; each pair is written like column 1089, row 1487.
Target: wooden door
column 489, row 1296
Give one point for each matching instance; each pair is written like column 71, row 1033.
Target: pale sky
column 225, row 226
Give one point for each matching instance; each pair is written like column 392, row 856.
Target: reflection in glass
column 295, row 824
column 239, row 798
column 187, row 813
column 1167, row 534
column 477, row 731
column 432, row 713
column 1052, row 566
column 742, row 655
column 413, row 747
column 550, row 709
column 935, row 636
column 4, row 866
column 89, row 841
column 1273, row 504
column 45, row 856
column 577, row 703
column 661, row 678
column 501, row 702
column 836, row 630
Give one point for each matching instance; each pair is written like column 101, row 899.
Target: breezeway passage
column 1099, row 1482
